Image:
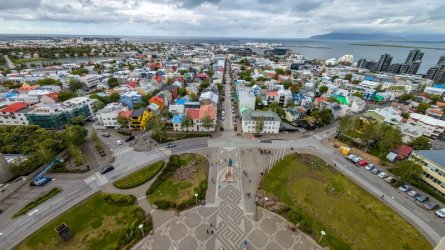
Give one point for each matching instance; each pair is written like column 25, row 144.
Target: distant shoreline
column 314, row 47
column 394, row 46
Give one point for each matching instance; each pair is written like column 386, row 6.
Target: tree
column 75, row 134
column 75, row 85
column 187, row 121
column 277, row 109
column 420, row 143
column 323, row 117
column 78, row 120
column 49, row 81
column 332, row 99
column 287, row 84
column 155, row 124
column 434, row 98
column 348, row 77
column 280, row 71
column 345, row 124
column 193, row 97
column 98, row 105
column 79, row 71
column 123, row 122
column 408, row 171
column 389, row 137
column 323, row 89
column 207, row 122
column 63, row 96
column 204, row 84
column 422, row 107
column 259, row 125
column 182, row 92
column 358, row 94
column 406, row 97
column 113, row 82
column 294, row 89
column 114, row 97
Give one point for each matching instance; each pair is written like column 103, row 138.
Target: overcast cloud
column 232, row 18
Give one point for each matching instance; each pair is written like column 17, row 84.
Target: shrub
column 132, row 233
column 165, row 204
column 119, row 199
column 53, row 192
column 139, row 177
column 173, row 164
column 306, row 226
column 124, row 132
column 294, row 217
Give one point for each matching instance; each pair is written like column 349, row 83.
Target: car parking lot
column 432, row 207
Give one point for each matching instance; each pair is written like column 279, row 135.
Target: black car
column 106, row 169
column 106, row 135
column 129, row 138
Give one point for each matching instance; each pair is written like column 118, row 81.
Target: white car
column 119, row 142
column 405, row 188
column 382, row 175
column 370, row 166
column 413, row 193
column 440, row 213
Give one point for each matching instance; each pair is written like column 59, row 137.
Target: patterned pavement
column 227, row 219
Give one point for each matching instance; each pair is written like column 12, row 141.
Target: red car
column 362, row 163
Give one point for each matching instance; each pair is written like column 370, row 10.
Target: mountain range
column 379, row 37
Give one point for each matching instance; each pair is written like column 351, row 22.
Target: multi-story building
column 414, row 55
column 252, row 119
column 109, row 114
column 56, row 116
column 433, row 127
column 14, row 114
column 245, row 97
column 433, row 166
column 130, row 98
column 139, row 118
column 90, row 81
column 384, row 62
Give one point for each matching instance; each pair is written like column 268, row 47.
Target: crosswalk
column 122, row 151
column 101, row 179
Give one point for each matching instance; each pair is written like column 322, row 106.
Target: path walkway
column 227, row 218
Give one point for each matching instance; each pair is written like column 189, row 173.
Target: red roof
column 272, row 93
column 207, row 110
column 403, row 150
column 15, row 107
column 53, row 95
column 194, row 113
column 158, row 79
column 124, row 114
column 321, row 99
column 132, row 84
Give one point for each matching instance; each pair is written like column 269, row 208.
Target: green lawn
column 139, row 177
column 327, row 200
column 28, row 60
column 53, row 192
column 175, row 192
column 96, row 224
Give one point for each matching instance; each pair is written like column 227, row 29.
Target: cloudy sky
column 221, row 18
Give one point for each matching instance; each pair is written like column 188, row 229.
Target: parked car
column 362, row 163
column 129, row 138
column 350, row 157
column 119, row 142
column 382, row 175
column 440, row 213
column 390, row 180
column 422, row 198
column 413, row 193
column 376, row 171
column 431, row 205
column 370, row 166
column 106, row 169
column 106, row 135
column 405, row 188
column 170, row 145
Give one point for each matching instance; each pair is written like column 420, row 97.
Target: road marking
column 140, row 198
column 33, row 212
column 101, row 179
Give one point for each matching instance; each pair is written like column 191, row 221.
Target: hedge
column 139, row 177
column 53, row 192
column 119, row 199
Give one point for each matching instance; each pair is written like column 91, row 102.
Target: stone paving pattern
column 231, row 225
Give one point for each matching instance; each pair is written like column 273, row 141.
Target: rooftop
column 14, row 107
column 435, row 156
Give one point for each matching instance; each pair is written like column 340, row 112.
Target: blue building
column 130, row 98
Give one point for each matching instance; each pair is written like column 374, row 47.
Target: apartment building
column 251, row 119
column 14, row 114
column 109, row 114
column 433, row 166
column 432, row 127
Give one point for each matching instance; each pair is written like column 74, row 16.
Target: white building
column 250, row 119
column 107, row 116
column 90, row 81
column 31, row 99
column 432, row 127
column 14, row 114
column 246, row 97
column 79, row 102
column 434, row 91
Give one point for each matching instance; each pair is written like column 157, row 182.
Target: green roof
column 343, row 99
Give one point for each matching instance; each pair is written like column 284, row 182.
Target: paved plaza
column 231, row 217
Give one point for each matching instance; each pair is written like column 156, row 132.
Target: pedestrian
column 212, row 231
column 207, row 231
column 219, row 186
column 250, row 181
column 383, row 196
column 213, row 181
column 211, row 225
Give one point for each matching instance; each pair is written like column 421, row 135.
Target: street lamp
column 141, row 226
column 265, row 203
column 322, row 233
column 196, row 196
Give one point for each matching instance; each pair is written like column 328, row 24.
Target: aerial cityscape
column 222, row 125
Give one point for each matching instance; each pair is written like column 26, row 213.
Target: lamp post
column 322, row 233
column 265, row 203
column 141, row 226
column 196, row 196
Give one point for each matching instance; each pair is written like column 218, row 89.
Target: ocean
column 318, row 49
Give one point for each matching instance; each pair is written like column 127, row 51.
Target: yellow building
column 433, row 165
column 139, row 118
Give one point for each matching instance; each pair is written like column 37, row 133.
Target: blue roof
column 369, row 78
column 439, row 86
column 177, row 119
column 181, row 101
column 10, row 94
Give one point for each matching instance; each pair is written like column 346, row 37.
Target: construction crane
column 41, row 179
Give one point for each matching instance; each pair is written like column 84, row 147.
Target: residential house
column 433, row 127
column 130, row 98
column 107, row 117
column 357, row 104
column 295, row 114
column 139, row 118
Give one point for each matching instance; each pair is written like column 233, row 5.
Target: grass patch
column 320, row 198
column 53, row 192
column 139, row 177
column 182, row 177
column 28, row 60
column 104, row 221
